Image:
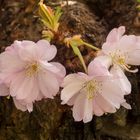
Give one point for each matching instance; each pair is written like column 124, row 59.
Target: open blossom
column 95, row 93
column 120, row 52
column 26, row 70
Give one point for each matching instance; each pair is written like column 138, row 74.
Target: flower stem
column 91, row 46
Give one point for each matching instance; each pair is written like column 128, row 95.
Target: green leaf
column 78, row 53
column 45, row 15
column 58, row 13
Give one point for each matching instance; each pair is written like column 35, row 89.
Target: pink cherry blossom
column 26, row 69
column 118, row 53
column 106, row 63
column 95, row 93
column 123, row 50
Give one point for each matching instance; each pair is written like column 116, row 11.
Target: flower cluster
column 27, row 75
column 103, row 88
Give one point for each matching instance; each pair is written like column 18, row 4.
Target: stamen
column 32, row 69
column 119, row 58
column 92, row 88
column 128, row 69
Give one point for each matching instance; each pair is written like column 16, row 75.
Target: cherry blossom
column 95, row 93
column 26, row 70
column 118, row 53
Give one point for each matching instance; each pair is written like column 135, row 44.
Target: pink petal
column 34, row 95
column 40, row 96
column 127, row 43
column 72, row 78
column 7, row 77
column 112, row 93
column 50, row 67
column 78, row 108
column 56, row 68
column 104, row 104
column 115, row 34
column 71, row 101
column 10, row 62
column 134, row 57
column 122, row 79
column 99, row 66
column 69, row 91
column 112, row 40
column 45, row 50
column 126, row 105
column 4, row 90
column 30, row 107
column 25, row 88
column 61, row 73
column 96, row 109
column 48, row 84
column 16, row 83
column 19, row 105
column 28, row 51
column 88, row 110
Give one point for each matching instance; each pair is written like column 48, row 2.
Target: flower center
column 32, row 69
column 92, row 88
column 119, row 58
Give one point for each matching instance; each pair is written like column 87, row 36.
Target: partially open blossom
column 119, row 52
column 95, row 93
column 25, row 68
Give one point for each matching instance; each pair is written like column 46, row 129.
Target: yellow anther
column 32, row 69
column 92, row 88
